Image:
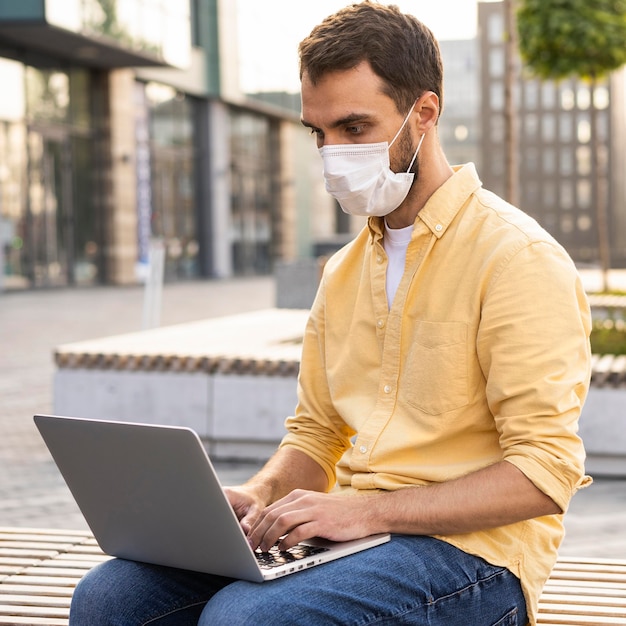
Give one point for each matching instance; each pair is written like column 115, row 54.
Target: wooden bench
column 40, row 568
column 38, row 572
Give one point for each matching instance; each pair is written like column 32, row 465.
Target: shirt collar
column 442, row 207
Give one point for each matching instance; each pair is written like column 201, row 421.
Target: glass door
column 48, row 216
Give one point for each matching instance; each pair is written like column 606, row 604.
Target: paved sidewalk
column 32, row 324
column 32, row 493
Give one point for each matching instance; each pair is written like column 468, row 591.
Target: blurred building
column 122, row 123
column 555, row 173
column 459, row 126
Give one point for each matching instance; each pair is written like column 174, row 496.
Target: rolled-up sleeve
column 316, row 429
column 533, row 346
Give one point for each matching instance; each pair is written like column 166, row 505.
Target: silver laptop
column 149, row 493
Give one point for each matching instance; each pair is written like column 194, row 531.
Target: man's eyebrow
column 348, row 119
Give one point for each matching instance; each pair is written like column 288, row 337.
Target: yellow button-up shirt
column 483, row 356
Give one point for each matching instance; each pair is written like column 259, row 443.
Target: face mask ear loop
column 419, row 145
column 406, row 119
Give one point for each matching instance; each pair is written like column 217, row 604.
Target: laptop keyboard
column 276, row 557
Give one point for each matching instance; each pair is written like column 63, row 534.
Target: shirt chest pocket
column 435, row 376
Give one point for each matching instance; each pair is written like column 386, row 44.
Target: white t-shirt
column 395, row 242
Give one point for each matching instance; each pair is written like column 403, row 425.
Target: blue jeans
column 410, row 580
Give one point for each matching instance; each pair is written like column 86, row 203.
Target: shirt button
column 379, row 259
column 387, row 388
column 439, row 228
column 363, row 449
column 380, row 323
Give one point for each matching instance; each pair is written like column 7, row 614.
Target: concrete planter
column 234, row 380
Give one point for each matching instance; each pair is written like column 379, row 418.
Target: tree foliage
column 583, row 38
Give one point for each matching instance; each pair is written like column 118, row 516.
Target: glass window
column 566, row 127
column 47, row 95
column 548, row 127
column 549, row 160
column 531, row 159
column 583, row 131
column 497, row 161
column 567, row 99
column 497, row 128
column 583, row 193
column 497, row 96
column 567, row 162
column 172, row 173
column 531, row 124
column 12, row 105
column 46, row 178
column 496, row 62
column 533, row 196
column 548, row 95
column 584, row 223
column 80, row 101
column 158, row 27
column 12, row 185
column 567, row 224
column 496, row 28
column 603, row 126
column 253, row 168
column 567, row 195
column 602, row 98
column 583, row 98
column 583, row 160
column 531, row 94
column 87, row 233
column 549, row 194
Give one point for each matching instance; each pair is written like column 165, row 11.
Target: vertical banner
column 144, row 190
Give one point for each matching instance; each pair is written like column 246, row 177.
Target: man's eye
column 355, row 130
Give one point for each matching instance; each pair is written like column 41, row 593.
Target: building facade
column 121, row 127
column 556, row 182
column 459, row 127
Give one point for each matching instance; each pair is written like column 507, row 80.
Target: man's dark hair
column 399, row 48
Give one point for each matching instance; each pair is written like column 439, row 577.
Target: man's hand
column 246, row 504
column 304, row 514
column 288, row 469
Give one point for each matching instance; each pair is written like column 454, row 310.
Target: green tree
column 584, row 39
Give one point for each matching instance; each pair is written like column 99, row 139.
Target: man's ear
column 427, row 108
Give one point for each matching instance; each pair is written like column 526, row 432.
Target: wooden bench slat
column 36, row 590
column 43, row 580
column 590, row 609
column 589, row 585
column 54, row 572
column 36, row 544
column 582, row 589
column 15, row 620
column 83, row 564
column 34, row 600
column 18, row 560
column 546, row 619
column 563, row 566
column 31, row 534
column 35, row 611
column 592, row 577
column 584, row 592
column 569, row 561
column 586, row 600
column 84, row 549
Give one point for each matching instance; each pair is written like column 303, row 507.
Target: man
column 443, row 371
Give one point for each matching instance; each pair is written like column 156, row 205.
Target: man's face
column 349, row 106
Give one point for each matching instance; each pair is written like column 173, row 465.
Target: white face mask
column 359, row 176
